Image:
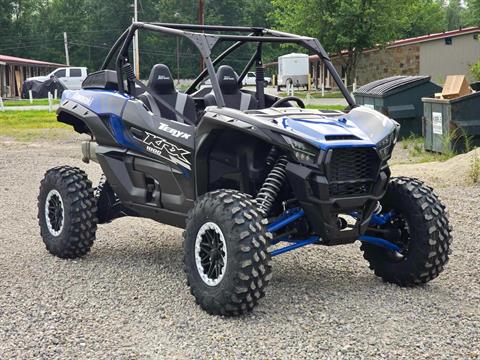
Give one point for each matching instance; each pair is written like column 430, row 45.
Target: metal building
column 14, row 71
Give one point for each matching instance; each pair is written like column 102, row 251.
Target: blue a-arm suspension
column 294, row 214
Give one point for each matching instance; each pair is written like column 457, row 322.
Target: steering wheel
column 281, row 101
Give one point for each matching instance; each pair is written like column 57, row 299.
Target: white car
column 250, row 79
column 70, row 77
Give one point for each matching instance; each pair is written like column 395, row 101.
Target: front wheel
column 419, row 226
column 226, row 258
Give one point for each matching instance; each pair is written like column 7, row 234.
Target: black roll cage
column 205, row 42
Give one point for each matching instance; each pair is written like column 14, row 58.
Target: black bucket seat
column 161, row 84
column 234, row 98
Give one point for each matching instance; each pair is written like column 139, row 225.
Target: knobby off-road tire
column 67, row 212
column 429, row 235
column 247, row 268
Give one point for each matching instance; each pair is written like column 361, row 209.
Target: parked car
column 251, row 79
column 70, row 77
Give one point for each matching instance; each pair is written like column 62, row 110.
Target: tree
column 351, row 25
column 422, row 17
column 473, row 12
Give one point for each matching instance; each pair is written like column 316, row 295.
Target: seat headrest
column 160, row 80
column 228, row 80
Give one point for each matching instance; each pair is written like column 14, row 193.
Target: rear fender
column 85, row 121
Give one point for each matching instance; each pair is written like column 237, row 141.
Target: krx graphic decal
column 166, row 150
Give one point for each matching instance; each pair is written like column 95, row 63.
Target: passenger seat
column 234, row 98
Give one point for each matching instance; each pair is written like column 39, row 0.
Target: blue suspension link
column 294, row 214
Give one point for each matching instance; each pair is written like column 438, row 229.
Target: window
column 60, row 73
column 448, row 41
column 75, row 73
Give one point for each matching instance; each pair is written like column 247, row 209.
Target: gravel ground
column 128, row 297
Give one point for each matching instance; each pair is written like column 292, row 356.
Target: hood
column 38, row 78
column 326, row 129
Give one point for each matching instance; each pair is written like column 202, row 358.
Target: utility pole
column 65, row 42
column 178, row 59
column 136, row 54
column 177, row 15
column 201, row 21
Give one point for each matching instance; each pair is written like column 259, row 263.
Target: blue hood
column 361, row 127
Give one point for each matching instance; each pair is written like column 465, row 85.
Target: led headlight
column 302, row 151
column 385, row 145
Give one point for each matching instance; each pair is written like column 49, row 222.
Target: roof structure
column 22, row 61
column 430, row 37
column 413, row 40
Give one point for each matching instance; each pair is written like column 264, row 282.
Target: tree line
column 34, row 28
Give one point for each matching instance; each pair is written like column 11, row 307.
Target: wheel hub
column 210, row 253
column 54, row 212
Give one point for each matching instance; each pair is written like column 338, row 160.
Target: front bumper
column 312, row 190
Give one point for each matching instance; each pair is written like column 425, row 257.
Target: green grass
column 315, row 94
column 31, row 125
column 326, row 107
column 27, row 102
column 417, row 153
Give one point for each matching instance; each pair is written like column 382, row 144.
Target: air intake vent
column 340, row 137
column 352, row 171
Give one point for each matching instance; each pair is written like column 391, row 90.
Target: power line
column 30, row 46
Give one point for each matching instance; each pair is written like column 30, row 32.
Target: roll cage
column 205, row 41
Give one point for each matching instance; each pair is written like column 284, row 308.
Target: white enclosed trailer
column 293, row 69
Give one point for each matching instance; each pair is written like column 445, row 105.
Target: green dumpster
column 451, row 125
column 400, row 98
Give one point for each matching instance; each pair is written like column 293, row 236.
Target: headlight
column 385, row 145
column 302, row 151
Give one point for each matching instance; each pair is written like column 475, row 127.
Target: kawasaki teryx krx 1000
column 248, row 175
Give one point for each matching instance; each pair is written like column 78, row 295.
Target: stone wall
column 379, row 64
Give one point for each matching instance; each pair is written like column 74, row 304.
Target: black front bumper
column 313, row 191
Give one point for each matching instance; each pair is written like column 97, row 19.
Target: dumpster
column 400, row 98
column 452, row 124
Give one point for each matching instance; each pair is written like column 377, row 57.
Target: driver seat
column 161, row 84
column 234, row 98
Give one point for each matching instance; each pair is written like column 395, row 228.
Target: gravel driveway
column 128, row 297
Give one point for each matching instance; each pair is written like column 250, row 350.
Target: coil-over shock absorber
column 272, row 185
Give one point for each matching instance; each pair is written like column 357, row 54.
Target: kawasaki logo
column 166, row 150
column 174, row 132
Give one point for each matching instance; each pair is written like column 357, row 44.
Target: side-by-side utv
column 248, row 175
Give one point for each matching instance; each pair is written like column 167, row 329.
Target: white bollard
column 55, row 94
column 50, row 102
column 307, row 98
column 30, row 96
column 323, row 89
column 1, row 104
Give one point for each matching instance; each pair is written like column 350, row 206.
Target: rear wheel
column 419, row 226
column 67, row 212
column 226, row 258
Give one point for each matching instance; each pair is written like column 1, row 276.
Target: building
column 14, row 71
column 436, row 55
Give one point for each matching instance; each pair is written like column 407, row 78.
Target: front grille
column 352, row 171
